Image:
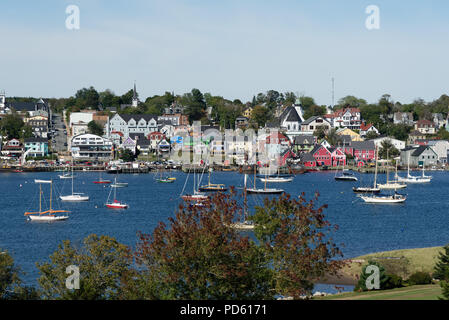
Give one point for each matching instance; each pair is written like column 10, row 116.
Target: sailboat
column 345, row 175
column 162, row 179
column 48, row 215
column 277, row 179
column 196, row 196
column 74, row 197
column 245, row 224
column 414, row 179
column 101, row 181
column 392, row 185
column 373, row 189
column 115, row 204
column 265, row 190
column 212, row 187
column 374, row 198
column 66, row 175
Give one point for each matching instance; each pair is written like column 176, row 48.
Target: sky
column 230, row 48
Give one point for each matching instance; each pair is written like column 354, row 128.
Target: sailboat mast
column 40, row 198
column 388, row 165
column 255, row 175
column 245, row 204
column 51, row 189
column 72, row 176
column 375, row 174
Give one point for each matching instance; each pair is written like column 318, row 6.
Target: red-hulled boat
column 116, row 205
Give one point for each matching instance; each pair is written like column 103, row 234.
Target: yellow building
column 248, row 112
column 348, row 132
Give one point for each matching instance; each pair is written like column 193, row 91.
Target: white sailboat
column 74, row 197
column 50, row 214
column 414, row 179
column 277, row 179
column 265, row 190
column 380, row 198
column 245, row 224
column 392, row 185
column 374, row 188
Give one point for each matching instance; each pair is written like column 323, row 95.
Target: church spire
column 135, row 100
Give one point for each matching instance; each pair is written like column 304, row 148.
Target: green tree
column 332, row 137
column 102, row 262
column 87, row 98
column 260, row 115
column 352, row 102
column 95, row 128
column 11, row 125
column 383, row 277
column 195, row 105
column 315, row 111
column 296, row 238
column 387, row 150
column 371, row 135
column 441, row 269
column 127, row 155
column 9, row 275
column 320, row 133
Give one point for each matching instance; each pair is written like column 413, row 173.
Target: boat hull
column 346, row 179
column 264, row 191
column 385, row 200
column 195, row 198
column 74, row 198
column 276, row 180
column 212, row 189
column 102, row 182
column 47, row 218
column 116, row 205
column 366, row 190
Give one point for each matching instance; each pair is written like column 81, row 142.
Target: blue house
column 38, row 147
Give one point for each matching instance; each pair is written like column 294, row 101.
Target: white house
column 290, row 121
column 91, row 147
column 345, row 118
column 129, row 124
column 440, row 147
column 312, row 124
column 398, row 144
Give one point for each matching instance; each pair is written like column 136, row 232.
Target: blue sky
column 230, row 48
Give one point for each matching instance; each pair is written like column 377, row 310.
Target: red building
column 363, row 150
column 331, row 157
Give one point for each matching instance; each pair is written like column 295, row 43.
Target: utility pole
column 333, row 92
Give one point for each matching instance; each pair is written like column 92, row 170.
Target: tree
column 314, row 111
column 27, row 132
column 320, row 133
column 352, row 102
column 332, row 137
column 11, row 125
column 387, row 150
column 196, row 106
column 95, row 128
column 371, row 135
column 260, row 114
column 9, row 275
column 127, row 155
column 87, row 98
column 296, row 238
column 199, row 257
column 441, row 269
column 383, row 277
column 102, row 262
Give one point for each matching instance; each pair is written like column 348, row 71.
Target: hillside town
column 340, row 137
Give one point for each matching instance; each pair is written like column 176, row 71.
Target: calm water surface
column 423, row 221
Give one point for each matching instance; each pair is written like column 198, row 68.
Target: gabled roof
column 291, row 115
column 304, row 139
column 311, row 119
column 420, row 150
column 363, row 145
column 137, row 117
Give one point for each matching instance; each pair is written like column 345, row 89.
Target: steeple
column 135, row 100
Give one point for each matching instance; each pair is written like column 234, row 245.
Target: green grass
column 418, row 260
column 425, row 292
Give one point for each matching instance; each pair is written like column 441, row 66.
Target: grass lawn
column 406, row 262
column 426, row 292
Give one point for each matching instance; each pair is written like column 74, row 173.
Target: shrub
column 420, row 278
column 393, row 281
column 383, row 278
